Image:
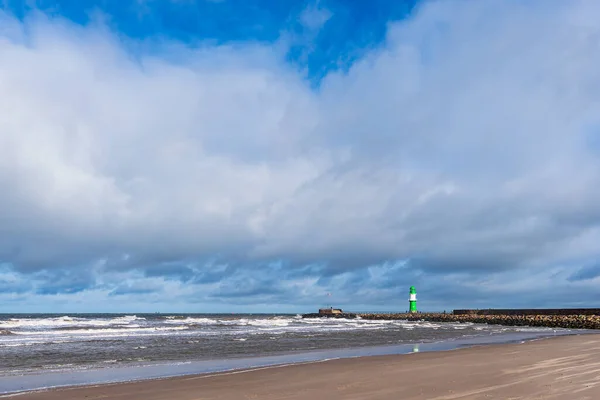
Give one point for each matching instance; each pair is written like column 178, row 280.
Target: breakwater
column 531, row 311
column 569, row 321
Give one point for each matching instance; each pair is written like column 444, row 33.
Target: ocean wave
column 5, row 332
column 269, row 322
column 266, row 322
column 291, row 323
column 30, row 343
column 52, row 341
column 77, row 328
column 127, row 319
column 66, row 321
column 105, row 331
column 191, row 320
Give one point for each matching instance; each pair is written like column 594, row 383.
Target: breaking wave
column 67, row 321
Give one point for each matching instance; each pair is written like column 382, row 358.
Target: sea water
column 38, row 351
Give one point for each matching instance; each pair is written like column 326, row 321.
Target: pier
column 550, row 318
column 580, row 318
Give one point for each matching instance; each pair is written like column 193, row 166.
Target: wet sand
column 557, row 368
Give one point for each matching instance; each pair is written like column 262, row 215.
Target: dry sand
column 557, row 368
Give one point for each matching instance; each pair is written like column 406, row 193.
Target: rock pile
column 550, row 321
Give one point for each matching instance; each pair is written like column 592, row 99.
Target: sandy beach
column 557, row 368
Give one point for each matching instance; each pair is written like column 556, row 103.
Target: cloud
column 462, row 144
column 586, row 273
column 314, row 17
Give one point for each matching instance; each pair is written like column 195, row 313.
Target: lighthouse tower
column 412, row 300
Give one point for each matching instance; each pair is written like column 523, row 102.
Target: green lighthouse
column 412, row 300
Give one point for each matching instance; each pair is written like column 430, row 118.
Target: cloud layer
column 462, row 153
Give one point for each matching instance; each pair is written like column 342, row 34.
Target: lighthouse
column 412, row 300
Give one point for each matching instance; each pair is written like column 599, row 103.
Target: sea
column 50, row 350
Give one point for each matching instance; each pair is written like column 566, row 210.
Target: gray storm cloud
column 466, row 142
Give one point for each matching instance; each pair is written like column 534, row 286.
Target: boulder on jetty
column 4, row 332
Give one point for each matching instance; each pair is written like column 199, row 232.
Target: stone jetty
column 565, row 319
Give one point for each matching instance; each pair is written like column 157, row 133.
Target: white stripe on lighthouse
column 413, row 297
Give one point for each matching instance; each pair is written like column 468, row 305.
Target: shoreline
column 166, row 378
column 180, row 370
column 500, row 366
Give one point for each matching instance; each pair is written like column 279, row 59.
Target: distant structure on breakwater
column 412, row 299
column 330, row 313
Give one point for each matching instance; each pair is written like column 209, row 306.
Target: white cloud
column 315, row 17
column 461, row 143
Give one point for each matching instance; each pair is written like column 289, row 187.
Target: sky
column 280, row 156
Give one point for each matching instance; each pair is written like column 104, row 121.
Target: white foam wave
column 127, row 319
column 66, row 321
column 190, row 320
column 15, row 343
column 104, row 331
column 269, row 322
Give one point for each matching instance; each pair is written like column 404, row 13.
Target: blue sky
column 316, row 43
column 220, row 156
